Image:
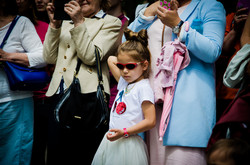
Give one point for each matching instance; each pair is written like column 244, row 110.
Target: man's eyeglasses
column 129, row 66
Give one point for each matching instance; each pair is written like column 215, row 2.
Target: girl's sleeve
column 146, row 94
column 207, row 46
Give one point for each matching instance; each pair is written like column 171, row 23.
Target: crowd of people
column 178, row 80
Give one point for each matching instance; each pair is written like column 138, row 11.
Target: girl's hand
column 73, row 9
column 169, row 17
column 114, row 134
column 50, row 10
column 112, row 61
column 147, row 123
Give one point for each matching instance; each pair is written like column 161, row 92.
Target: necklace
column 127, row 90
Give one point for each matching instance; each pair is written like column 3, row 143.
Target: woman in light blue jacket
column 193, row 111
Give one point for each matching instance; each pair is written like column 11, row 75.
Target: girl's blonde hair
column 137, row 47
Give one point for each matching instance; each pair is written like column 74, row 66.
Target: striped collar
column 100, row 14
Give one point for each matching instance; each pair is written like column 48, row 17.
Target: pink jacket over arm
column 174, row 57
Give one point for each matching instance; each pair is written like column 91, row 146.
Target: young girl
column 133, row 109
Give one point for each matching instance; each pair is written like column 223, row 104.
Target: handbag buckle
column 77, row 117
column 75, row 74
column 100, row 82
column 105, row 122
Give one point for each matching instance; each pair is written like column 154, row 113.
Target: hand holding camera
column 73, row 9
column 169, row 17
column 60, row 10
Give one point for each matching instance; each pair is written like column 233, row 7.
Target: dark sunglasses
column 129, row 66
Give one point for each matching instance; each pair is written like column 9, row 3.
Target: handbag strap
column 98, row 66
column 12, row 25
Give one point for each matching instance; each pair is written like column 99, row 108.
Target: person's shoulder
column 144, row 84
column 24, row 21
column 111, row 18
column 217, row 7
column 145, row 91
column 207, row 3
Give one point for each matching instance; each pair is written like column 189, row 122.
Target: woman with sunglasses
column 133, row 109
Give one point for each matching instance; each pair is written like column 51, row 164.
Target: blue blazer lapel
column 189, row 10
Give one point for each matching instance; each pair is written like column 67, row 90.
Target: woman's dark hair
column 137, row 47
column 105, row 5
column 8, row 7
column 28, row 10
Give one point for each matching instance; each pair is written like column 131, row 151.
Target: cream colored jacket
column 62, row 47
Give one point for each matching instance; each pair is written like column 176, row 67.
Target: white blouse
column 131, row 96
column 23, row 39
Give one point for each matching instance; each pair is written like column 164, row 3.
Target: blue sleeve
column 207, row 46
column 138, row 24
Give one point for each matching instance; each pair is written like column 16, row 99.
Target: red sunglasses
column 129, row 66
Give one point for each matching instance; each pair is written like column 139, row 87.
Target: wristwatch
column 126, row 135
column 176, row 29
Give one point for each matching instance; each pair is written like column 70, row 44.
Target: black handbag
column 86, row 111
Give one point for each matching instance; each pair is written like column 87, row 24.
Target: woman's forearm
column 228, row 43
column 19, row 58
column 245, row 37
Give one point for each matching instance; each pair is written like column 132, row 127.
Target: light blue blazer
column 193, row 112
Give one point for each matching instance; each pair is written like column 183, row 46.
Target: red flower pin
column 121, row 108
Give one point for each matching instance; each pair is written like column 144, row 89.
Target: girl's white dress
column 126, row 112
